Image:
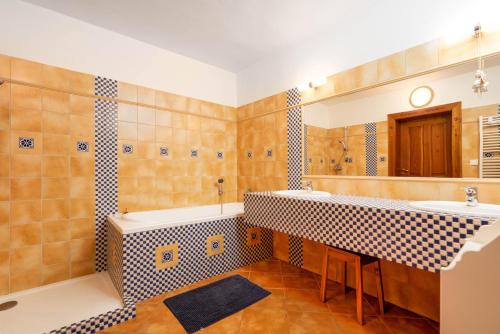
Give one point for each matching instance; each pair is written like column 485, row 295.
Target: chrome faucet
column 307, row 185
column 471, row 196
column 220, row 182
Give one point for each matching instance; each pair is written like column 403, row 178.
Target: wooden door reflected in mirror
column 426, row 142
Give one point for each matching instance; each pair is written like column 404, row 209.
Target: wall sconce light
column 312, row 84
column 421, row 96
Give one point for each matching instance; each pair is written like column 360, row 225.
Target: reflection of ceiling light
column 312, row 84
column 480, row 84
column 421, row 96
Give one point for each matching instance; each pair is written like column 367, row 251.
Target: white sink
column 481, row 210
column 302, row 193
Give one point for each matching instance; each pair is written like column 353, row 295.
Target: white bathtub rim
column 155, row 225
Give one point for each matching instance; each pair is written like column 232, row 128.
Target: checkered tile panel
column 100, row 322
column 371, row 149
column 106, row 169
column 115, row 258
column 387, row 229
column 141, row 278
column 294, row 120
column 295, row 250
column 106, row 87
column 305, row 163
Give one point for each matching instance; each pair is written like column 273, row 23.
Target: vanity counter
column 383, row 228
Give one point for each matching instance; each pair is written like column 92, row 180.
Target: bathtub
column 150, row 220
column 151, row 252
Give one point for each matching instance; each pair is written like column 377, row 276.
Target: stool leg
column 380, row 287
column 359, row 291
column 324, row 275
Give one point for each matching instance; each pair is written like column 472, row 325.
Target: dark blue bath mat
column 201, row 307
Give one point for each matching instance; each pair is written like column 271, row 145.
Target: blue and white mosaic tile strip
column 102, row 321
column 294, row 122
column 306, row 162
column 387, row 229
column 295, row 250
column 142, row 280
column 371, row 160
column 106, row 163
column 115, row 258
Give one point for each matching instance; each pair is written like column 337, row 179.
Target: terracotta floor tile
column 339, row 302
column 274, row 301
column 286, row 310
column 391, row 310
column 264, row 321
column 229, row 325
column 267, row 279
column 348, row 324
column 409, row 326
column 299, row 281
column 307, row 322
column 287, row 268
column 267, row 266
column 304, row 300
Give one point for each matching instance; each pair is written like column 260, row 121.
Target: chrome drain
column 8, row 305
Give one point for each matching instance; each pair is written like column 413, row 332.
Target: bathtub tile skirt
column 140, row 277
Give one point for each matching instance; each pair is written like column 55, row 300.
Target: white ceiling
column 230, row 34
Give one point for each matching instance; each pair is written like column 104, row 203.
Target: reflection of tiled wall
column 319, row 152
column 150, row 269
column 47, row 193
column 318, row 140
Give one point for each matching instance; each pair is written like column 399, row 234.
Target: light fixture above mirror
column 317, row 82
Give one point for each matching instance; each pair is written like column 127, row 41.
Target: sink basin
column 481, row 210
column 303, row 193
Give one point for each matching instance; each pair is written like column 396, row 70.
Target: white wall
column 318, row 114
column 374, row 105
column 41, row 35
column 384, row 27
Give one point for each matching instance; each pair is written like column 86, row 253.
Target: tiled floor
column 293, row 307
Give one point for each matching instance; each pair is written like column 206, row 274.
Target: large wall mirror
column 432, row 125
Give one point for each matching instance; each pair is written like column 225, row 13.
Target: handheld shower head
column 343, row 144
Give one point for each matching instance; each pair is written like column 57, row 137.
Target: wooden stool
column 359, row 260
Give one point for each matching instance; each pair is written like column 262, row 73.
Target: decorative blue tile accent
column 167, row 256
column 382, row 158
column 26, row 142
column 269, row 153
column 220, row 155
column 249, row 154
column 164, row 151
column 254, row 236
column 82, row 146
column 194, row 153
column 127, row 149
column 215, row 244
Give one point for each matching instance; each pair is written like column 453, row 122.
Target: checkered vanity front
column 387, row 229
column 145, row 264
